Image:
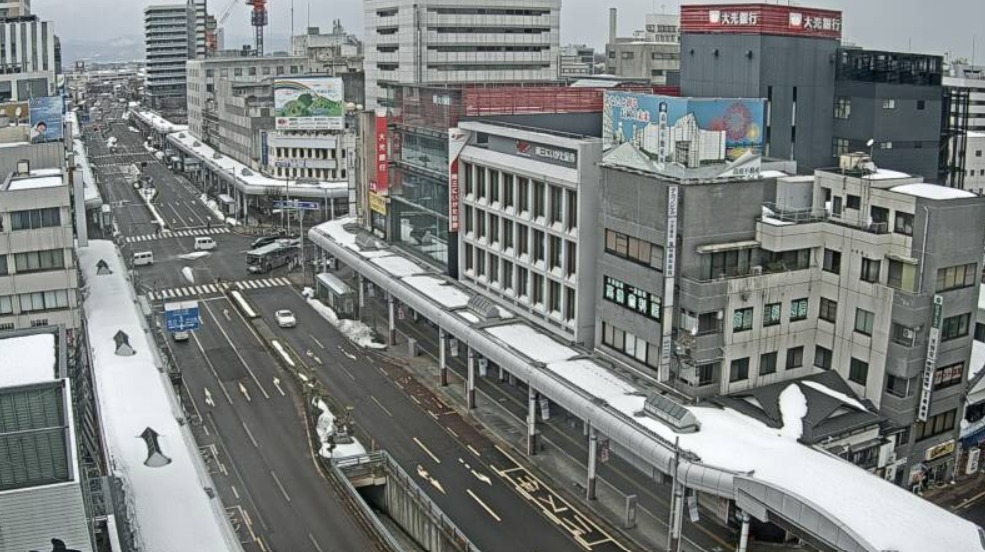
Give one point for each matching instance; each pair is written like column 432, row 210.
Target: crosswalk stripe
column 240, row 285
column 252, row 284
column 284, row 281
column 169, row 293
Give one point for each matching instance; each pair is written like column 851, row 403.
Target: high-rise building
column 173, row 34
column 29, row 58
column 970, row 78
column 652, row 53
column 14, row 8
column 458, row 41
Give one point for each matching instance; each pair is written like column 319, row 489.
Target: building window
column 6, row 304
column 35, row 218
column 797, row 259
column 900, row 387
column 469, row 219
column 936, row 425
column 889, row 104
column 630, row 345
column 523, row 282
column 902, row 276
column 493, row 229
column 828, row 311
column 904, row 223
column 955, row 327
column 524, row 193
column 772, row 314
column 469, row 258
column 626, row 55
column 572, row 208
column 539, row 199
column 739, row 370
column 956, row 277
column 571, row 259
column 554, row 296
column 853, row 202
column 539, row 246
column 636, row 250
column 3, row 265
column 524, row 239
column 570, row 303
column 727, row 264
column 36, row 261
column 507, row 234
column 795, row 357
column 507, row 275
column 538, row 289
column 742, row 319
column 493, row 269
column 839, row 147
column 493, row 186
column 554, row 252
column 632, row 298
column 902, row 335
column 858, row 371
column 822, row 357
column 557, row 205
column 979, row 332
column 832, row 261
column 948, row 376
column 798, row 310
column 238, row 72
column 480, row 263
column 864, row 321
column 709, row 323
column 43, row 300
column 706, row 373
column 767, row 364
column 843, row 108
column 253, row 71
column 921, row 105
column 870, row 270
column 508, row 196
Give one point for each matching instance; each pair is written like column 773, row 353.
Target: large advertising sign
column 761, row 19
column 930, row 362
column 690, row 131
column 315, row 103
column 46, row 119
column 457, row 138
column 381, row 155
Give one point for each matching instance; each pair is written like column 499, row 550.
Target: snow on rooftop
column 886, row 174
column 168, row 505
column 793, row 408
column 36, row 182
column 27, row 359
column 439, row 290
column 159, row 123
column 835, row 394
column 932, row 191
column 531, row 343
column 776, row 222
column 977, row 362
column 398, row 266
column 468, row 316
column 981, row 296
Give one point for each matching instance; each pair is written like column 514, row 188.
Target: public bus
column 273, row 255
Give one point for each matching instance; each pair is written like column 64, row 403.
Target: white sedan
column 285, row 319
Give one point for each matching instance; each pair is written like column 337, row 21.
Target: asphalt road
column 473, row 480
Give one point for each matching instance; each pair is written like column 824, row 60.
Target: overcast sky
column 939, row 26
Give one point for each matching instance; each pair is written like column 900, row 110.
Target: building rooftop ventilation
column 486, row 309
column 155, row 457
column 672, row 413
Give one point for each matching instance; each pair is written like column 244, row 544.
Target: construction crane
column 211, row 38
column 259, row 21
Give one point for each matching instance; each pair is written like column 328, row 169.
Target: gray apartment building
column 861, row 271
column 652, row 54
column 173, row 34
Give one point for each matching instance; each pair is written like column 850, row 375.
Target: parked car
column 285, row 318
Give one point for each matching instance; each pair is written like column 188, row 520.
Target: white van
column 203, row 243
column 143, row 258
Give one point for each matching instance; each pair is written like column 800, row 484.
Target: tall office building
column 28, row 56
column 173, row 34
column 458, row 41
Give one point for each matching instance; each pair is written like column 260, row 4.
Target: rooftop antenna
column 292, row 20
column 309, row 13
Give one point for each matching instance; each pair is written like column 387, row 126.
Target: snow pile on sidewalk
column 356, row 331
column 194, row 255
column 325, row 428
column 212, row 205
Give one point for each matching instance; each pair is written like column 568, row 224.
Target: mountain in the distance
column 121, row 48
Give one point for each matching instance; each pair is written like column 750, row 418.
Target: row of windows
column 772, row 314
column 843, row 106
column 632, row 298
column 33, row 302
column 523, row 195
column 630, row 345
column 36, row 261
column 519, row 240
column 536, row 289
column 739, row 368
column 956, row 277
column 35, row 218
column 253, row 71
column 634, row 249
column 308, row 153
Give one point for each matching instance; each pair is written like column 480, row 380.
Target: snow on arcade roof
column 159, row 123
column 726, row 439
column 932, row 191
column 26, row 359
column 168, row 505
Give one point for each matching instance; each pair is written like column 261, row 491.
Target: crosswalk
column 178, row 234
column 213, row 289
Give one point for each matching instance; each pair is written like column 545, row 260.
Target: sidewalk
column 960, row 495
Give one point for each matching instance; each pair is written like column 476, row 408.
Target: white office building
column 459, row 41
column 28, row 65
column 974, row 162
column 173, row 34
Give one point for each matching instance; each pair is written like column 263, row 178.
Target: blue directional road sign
column 181, row 316
column 295, row 204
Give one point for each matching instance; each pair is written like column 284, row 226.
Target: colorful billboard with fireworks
column 686, row 130
column 309, row 104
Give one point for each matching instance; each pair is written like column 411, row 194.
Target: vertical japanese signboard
column 670, row 266
column 381, row 155
column 456, row 143
column 923, row 409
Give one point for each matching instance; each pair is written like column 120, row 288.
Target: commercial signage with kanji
column 761, row 19
column 381, row 158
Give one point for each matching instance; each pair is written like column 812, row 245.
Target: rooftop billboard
column 689, row 131
column 309, row 104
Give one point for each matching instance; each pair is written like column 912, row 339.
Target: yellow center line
column 484, row 506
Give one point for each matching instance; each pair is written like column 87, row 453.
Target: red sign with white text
column 456, row 143
column 382, row 161
column 769, row 19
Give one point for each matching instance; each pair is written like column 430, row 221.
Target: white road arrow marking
column 482, row 477
column 242, row 389
column 208, row 398
column 277, row 385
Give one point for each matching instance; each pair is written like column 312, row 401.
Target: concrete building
column 338, row 54
column 865, row 272
column 14, row 8
column 970, row 79
column 577, row 61
column 39, row 282
column 44, row 487
column 652, row 53
column 528, row 200
column 974, row 162
column 457, row 41
column 29, row 58
column 167, row 46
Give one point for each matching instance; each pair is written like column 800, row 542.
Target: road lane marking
column 242, row 389
column 281, row 487
column 379, row 404
column 482, row 477
column 208, row 398
column 277, row 385
column 431, row 454
column 250, row 435
column 473, row 451
column 315, row 543
column 235, row 492
column 236, row 350
column 315, row 339
column 347, row 372
column 484, row 506
column 212, row 368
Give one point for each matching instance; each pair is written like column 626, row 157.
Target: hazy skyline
column 901, row 25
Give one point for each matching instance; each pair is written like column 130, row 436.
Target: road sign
column 295, row 204
column 181, row 316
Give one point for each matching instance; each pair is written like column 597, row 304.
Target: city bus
column 273, row 255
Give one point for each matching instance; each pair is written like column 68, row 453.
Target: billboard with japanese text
column 314, row 103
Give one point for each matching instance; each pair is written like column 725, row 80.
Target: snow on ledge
column 27, row 359
column 932, row 191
